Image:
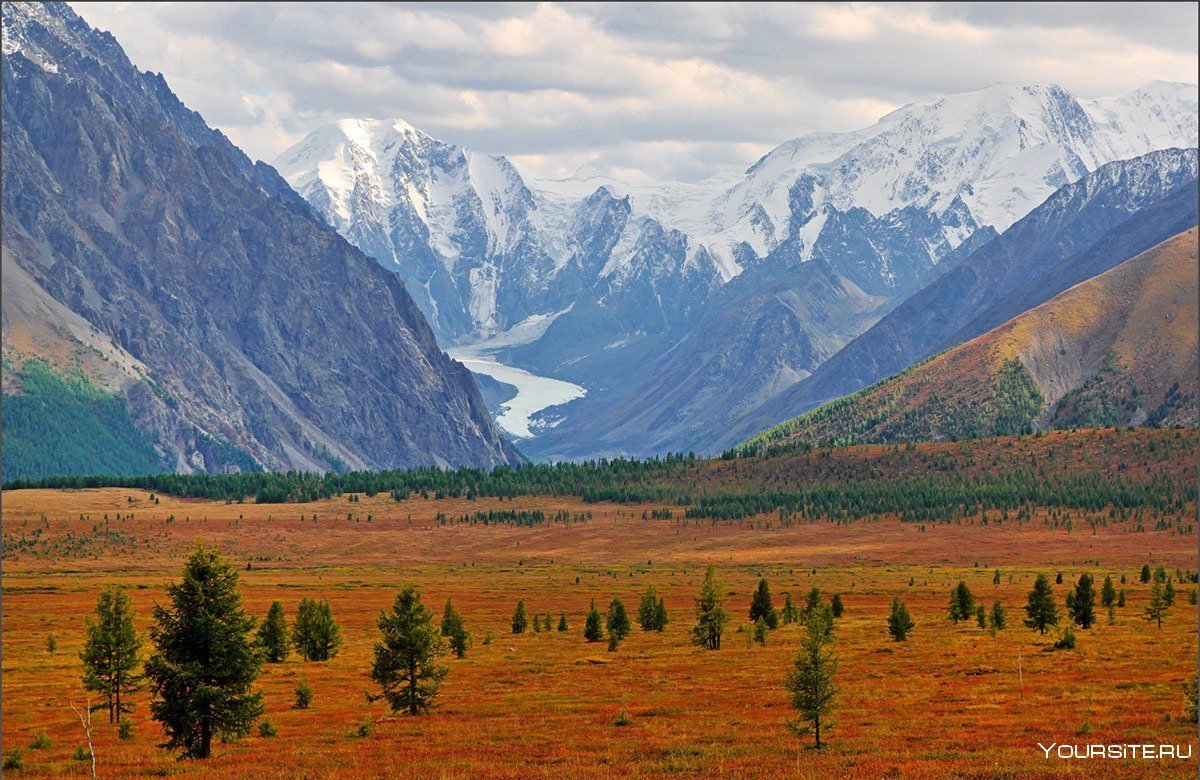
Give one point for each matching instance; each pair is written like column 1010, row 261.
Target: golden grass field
column 948, row 703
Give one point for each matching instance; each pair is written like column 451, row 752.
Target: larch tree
column 110, row 651
column 711, row 615
column 206, row 658
column 1157, row 607
column 811, row 678
column 406, row 667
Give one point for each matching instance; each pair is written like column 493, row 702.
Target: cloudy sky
column 643, row 92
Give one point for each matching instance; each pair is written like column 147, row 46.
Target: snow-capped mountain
column 610, row 272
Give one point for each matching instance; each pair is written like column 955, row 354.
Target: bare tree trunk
column 85, row 720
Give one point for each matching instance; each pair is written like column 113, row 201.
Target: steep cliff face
column 248, row 326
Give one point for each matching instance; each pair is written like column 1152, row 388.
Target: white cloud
column 651, row 91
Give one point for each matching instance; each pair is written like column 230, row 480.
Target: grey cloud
column 680, row 91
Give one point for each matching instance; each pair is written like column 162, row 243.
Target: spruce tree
column 998, row 618
column 812, row 603
column 455, row 630
column 962, row 602
column 1108, row 593
column 519, row 620
column 448, row 616
column 273, row 635
column 593, row 628
column 899, row 622
column 810, row 680
column 790, row 613
column 711, row 615
column 761, row 606
column 110, row 651
column 406, row 667
column 1145, row 577
column 617, row 621
column 981, row 616
column 660, row 615
column 836, row 606
column 562, row 622
column 315, row 635
column 1081, row 602
column 205, row 658
column 647, row 609
column 1040, row 611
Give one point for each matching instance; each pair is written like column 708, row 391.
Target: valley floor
column 953, row 701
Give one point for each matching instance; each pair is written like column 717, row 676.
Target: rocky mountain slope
column 147, row 257
column 1118, row 349
column 1083, row 229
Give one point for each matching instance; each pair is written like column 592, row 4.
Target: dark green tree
column 899, row 622
column 205, row 660
column 812, row 603
column 455, row 630
column 962, row 602
column 593, row 627
column 998, row 618
column 110, row 651
column 660, row 615
column 836, row 606
column 315, row 634
column 761, row 606
column 1145, row 573
column 617, row 623
column 810, row 680
column 1040, row 610
column 1108, row 593
column 273, row 635
column 648, row 610
column 1081, row 602
column 562, row 622
column 790, row 613
column 711, row 615
column 406, row 667
column 519, row 621
column 1157, row 607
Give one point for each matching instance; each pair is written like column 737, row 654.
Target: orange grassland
column 954, row 701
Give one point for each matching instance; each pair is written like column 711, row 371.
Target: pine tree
column 812, row 603
column 981, row 616
column 962, row 602
column 647, row 609
column 406, row 657
column 110, row 651
column 617, row 623
column 1145, row 573
column 761, row 629
column 1041, row 612
column 790, row 613
column 711, row 615
column 899, row 622
column 761, row 606
column 273, row 635
column 562, row 622
column 1081, row 602
column 519, row 620
column 593, row 630
column 836, row 606
column 1121, row 597
column 205, row 658
column 315, row 634
column 1157, row 607
column 810, row 680
column 1108, row 593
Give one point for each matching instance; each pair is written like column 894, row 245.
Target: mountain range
column 688, row 310
column 170, row 304
column 148, row 261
